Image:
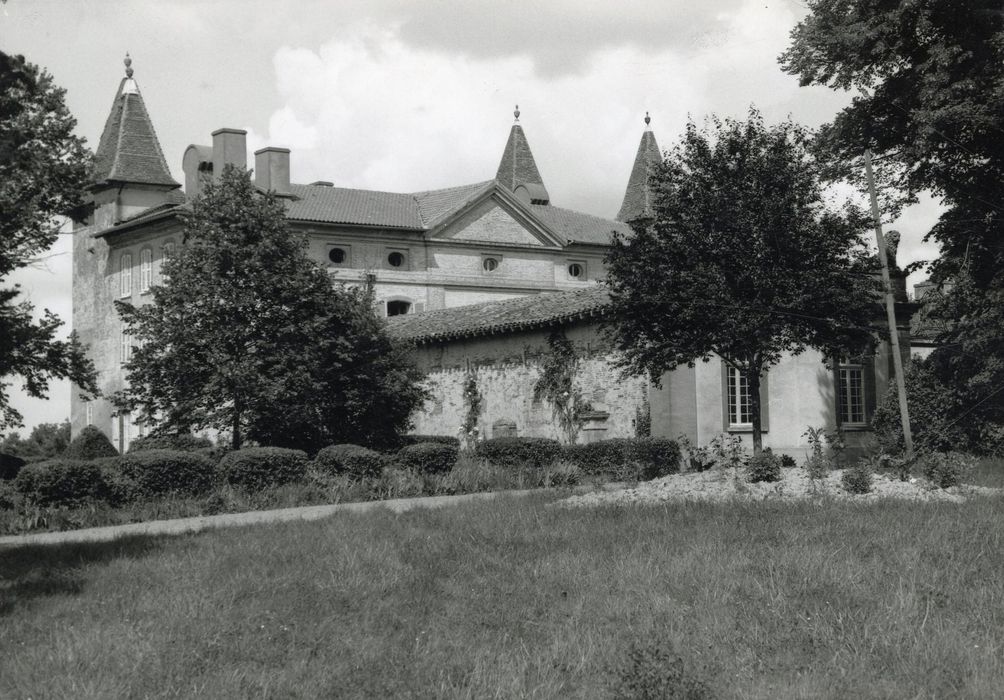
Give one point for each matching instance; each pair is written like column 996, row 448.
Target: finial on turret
column 515, row 113
column 648, row 119
column 128, row 65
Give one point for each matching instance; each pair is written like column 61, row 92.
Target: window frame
column 727, row 424
column 405, row 265
column 145, row 270
column 866, row 365
column 125, row 275
column 125, row 347
column 583, row 276
column 347, row 249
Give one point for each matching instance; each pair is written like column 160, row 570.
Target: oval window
column 575, row 270
column 395, row 259
column 336, row 255
column 490, row 264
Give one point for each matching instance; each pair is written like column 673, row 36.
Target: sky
column 404, row 96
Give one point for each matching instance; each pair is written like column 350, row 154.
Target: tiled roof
column 435, row 205
column 637, row 198
column 128, row 150
column 523, row 313
column 339, row 205
column 517, row 164
column 578, row 227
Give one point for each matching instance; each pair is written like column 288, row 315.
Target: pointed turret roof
column 638, row 198
column 128, row 150
column 517, row 166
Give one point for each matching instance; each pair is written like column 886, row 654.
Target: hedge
column 164, row 471
column 657, row 457
column 61, row 482
column 428, row 457
column 90, row 443
column 260, row 467
column 184, row 443
column 519, row 451
column 351, row 460
column 440, row 439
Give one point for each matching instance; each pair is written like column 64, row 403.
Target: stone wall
column 506, row 369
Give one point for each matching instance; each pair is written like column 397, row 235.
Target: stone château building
column 478, row 274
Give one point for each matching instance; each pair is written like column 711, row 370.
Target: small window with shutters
column 125, row 275
column 145, row 270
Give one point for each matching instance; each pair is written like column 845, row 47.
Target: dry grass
column 513, row 599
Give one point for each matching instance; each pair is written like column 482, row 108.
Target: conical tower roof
column 517, row 166
column 129, row 150
column 638, row 197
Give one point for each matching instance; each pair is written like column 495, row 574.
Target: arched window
column 398, row 307
column 125, row 275
column 145, row 270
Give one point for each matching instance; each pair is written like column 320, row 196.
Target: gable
column 491, row 223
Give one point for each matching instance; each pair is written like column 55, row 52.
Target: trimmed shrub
column 519, row 451
column 765, row 466
column 61, row 482
column 428, row 457
column 351, row 460
column 655, row 457
column 90, row 443
column 10, row 465
column 165, row 471
column 183, row 443
column 857, row 479
column 259, row 467
column 944, row 469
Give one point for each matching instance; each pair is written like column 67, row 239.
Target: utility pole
column 890, row 310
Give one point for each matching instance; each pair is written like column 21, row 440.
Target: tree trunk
column 235, row 440
column 753, row 382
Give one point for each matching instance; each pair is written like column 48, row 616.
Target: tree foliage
column 249, row 336
column 741, row 260
column 43, row 171
column 46, row 440
column 932, row 72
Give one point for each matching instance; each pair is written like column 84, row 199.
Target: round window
column 490, row 264
column 396, row 259
column 575, row 270
column 336, row 255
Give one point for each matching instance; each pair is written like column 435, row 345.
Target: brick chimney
column 271, row 169
column 229, row 148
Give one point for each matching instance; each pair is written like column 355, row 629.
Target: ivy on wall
column 474, row 404
column 556, row 385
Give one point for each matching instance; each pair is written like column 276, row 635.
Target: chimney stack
column 229, row 148
column 271, row 169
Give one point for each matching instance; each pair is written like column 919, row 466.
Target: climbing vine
column 473, row 403
column 556, row 385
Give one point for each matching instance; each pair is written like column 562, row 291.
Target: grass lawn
column 513, row 599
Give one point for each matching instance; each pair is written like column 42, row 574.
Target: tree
column 249, row 336
column 46, row 440
column 741, row 259
column 43, row 172
column 932, row 109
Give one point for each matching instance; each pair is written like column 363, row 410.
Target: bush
column 399, row 483
column 765, row 466
column 184, row 443
column 165, row 471
column 788, row 462
column 258, row 467
column 944, row 469
column 10, row 465
column 428, row 457
column 350, row 460
column 653, row 669
column 656, row 457
column 61, row 482
column 857, row 479
column 519, row 451
column 562, row 473
column 90, row 443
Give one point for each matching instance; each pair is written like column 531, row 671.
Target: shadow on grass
column 38, row 571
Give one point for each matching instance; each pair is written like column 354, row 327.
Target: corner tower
column 638, row 196
column 518, row 170
column 130, row 177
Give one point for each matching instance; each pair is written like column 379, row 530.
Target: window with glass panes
column 125, row 275
column 145, row 270
column 852, row 393
column 740, row 410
